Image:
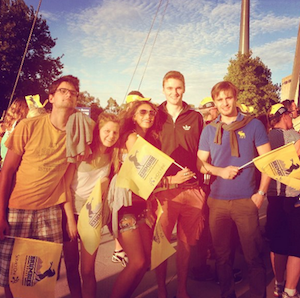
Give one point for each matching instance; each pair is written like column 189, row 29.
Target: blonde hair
column 17, row 111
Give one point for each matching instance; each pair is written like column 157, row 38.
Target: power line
column 153, row 44
column 24, row 55
column 143, row 49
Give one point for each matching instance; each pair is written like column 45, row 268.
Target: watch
column 260, row 192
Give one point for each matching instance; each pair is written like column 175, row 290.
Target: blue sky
column 102, row 40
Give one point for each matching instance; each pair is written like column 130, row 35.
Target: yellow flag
column 143, row 168
column 90, row 220
column 281, row 164
column 161, row 247
column 33, row 268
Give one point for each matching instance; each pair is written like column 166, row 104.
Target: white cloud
column 197, row 37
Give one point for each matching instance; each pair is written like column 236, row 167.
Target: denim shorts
column 132, row 216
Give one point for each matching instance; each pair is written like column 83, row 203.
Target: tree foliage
column 86, row 100
column 39, row 68
column 253, row 79
column 112, row 106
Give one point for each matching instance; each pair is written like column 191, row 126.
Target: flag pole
column 182, row 168
column 246, row 164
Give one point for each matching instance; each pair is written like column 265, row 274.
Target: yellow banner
column 161, row 247
column 90, row 220
column 33, row 268
column 143, row 168
column 281, row 164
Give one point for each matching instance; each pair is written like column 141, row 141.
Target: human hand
column 4, row 228
column 182, row 176
column 72, row 230
column 257, row 200
column 229, row 172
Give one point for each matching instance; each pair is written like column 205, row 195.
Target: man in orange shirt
column 36, row 157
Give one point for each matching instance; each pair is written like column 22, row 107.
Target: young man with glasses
column 182, row 201
column 36, row 157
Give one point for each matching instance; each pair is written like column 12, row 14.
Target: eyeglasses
column 64, row 91
column 151, row 113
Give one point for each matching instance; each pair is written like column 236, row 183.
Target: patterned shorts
column 44, row 224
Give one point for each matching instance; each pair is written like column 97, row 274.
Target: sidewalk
column 106, row 273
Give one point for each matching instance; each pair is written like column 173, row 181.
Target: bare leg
column 161, row 275
column 118, row 245
column 133, row 244
column 292, row 272
column 89, row 283
column 182, row 260
column 278, row 264
column 71, row 257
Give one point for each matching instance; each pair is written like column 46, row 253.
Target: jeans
column 244, row 213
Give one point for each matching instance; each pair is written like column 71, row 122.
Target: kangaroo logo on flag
column 145, row 166
column 279, row 167
column 281, row 164
column 33, row 268
column 94, row 214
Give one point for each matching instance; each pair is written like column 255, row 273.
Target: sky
column 102, row 40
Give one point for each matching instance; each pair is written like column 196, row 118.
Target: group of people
column 38, row 181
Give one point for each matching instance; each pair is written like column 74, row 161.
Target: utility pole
column 244, row 27
column 296, row 72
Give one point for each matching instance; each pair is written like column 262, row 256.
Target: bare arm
column 11, row 164
column 264, row 180
column 206, row 168
column 68, row 205
column 297, row 146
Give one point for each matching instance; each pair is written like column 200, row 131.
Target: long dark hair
column 128, row 125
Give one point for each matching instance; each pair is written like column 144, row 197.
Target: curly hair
column 17, row 111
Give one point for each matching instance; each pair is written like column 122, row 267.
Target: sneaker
column 119, row 256
column 278, row 290
column 285, row 295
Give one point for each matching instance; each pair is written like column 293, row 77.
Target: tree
column 39, row 69
column 253, row 79
column 86, row 100
column 112, row 106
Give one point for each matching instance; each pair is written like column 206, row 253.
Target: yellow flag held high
column 281, row 164
column 161, row 247
column 33, row 268
column 143, row 168
column 90, row 220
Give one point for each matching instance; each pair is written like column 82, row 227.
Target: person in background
column 36, row 156
column 208, row 110
column 132, row 216
column 291, row 107
column 228, row 143
column 16, row 112
column 283, row 218
column 87, row 174
column 182, row 203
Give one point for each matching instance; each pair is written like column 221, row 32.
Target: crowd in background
column 212, row 194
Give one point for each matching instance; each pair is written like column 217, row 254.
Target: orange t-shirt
column 40, row 178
